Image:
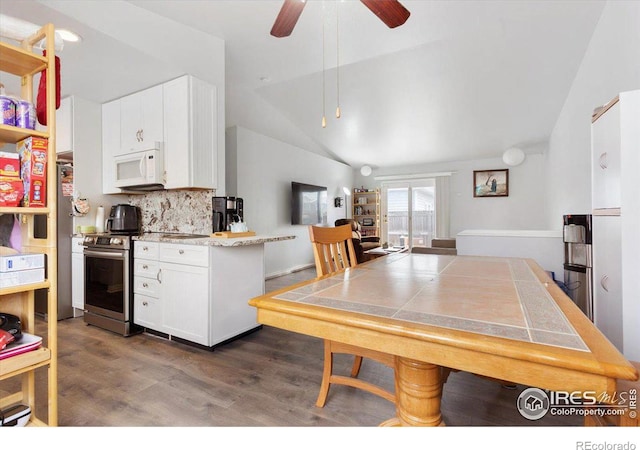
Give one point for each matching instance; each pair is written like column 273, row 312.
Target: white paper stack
column 23, row 268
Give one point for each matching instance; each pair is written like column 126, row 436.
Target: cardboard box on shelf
column 9, row 165
column 33, row 170
column 11, row 191
column 20, row 277
column 21, row 261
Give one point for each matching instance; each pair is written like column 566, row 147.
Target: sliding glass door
column 408, row 215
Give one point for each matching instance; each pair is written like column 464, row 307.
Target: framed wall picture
column 491, row 183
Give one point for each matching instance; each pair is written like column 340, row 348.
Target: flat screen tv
column 308, row 204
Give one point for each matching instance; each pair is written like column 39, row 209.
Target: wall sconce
column 338, row 201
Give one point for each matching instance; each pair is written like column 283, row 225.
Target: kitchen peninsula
column 196, row 289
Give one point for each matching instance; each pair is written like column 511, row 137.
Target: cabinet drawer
column 145, row 268
column 148, row 250
column 193, row 255
column 147, row 311
column 146, row 286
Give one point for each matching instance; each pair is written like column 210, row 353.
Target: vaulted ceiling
column 459, row 80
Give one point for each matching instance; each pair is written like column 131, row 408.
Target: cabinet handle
column 145, row 304
column 145, row 267
column 145, row 285
column 158, row 276
column 603, row 160
column 138, row 135
column 604, row 282
column 142, row 135
column 181, row 252
column 145, row 248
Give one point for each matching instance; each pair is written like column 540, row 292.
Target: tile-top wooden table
column 499, row 317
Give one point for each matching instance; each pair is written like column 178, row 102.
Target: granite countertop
column 179, row 238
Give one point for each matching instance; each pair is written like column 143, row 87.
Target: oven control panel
column 115, row 242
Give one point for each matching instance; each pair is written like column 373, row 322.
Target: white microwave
column 140, row 170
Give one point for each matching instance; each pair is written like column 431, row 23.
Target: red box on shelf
column 33, row 170
column 10, row 165
column 11, row 191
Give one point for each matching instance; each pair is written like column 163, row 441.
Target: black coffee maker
column 227, row 210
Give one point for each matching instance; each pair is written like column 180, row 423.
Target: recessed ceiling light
column 68, row 36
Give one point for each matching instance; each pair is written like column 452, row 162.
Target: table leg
column 418, row 393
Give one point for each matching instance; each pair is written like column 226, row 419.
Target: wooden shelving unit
column 24, row 63
column 366, row 210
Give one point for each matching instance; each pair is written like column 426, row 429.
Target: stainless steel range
column 108, row 281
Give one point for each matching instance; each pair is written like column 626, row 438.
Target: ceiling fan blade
column 287, row 17
column 391, row 12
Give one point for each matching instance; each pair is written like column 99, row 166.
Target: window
column 415, row 211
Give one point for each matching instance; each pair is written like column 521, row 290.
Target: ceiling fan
column 391, row 12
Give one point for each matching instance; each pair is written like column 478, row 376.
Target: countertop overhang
column 212, row 242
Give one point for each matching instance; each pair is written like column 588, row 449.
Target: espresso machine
column 227, row 210
column 577, row 236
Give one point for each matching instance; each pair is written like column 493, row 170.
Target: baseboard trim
column 289, row 271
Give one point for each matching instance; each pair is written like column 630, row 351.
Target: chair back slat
column 332, row 248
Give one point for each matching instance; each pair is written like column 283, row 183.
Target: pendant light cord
column 324, row 119
column 337, row 60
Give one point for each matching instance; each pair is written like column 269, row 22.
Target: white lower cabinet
column 198, row 293
column 77, row 274
column 171, row 289
column 185, row 309
column 147, row 311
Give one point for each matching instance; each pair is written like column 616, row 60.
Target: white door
column 141, row 120
column 185, row 299
column 605, row 164
column 607, row 277
column 408, row 213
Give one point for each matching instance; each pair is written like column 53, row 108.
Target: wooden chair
column 333, row 251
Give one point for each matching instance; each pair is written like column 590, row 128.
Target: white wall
column 610, row 65
column 265, row 169
column 523, row 209
column 246, row 108
column 87, row 160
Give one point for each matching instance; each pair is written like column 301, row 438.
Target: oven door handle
column 110, row 255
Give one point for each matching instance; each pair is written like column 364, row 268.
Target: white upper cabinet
column 183, row 115
column 605, row 163
column 141, row 120
column 191, row 133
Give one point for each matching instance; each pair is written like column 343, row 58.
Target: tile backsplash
column 175, row 211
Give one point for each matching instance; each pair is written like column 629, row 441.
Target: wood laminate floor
column 268, row 378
